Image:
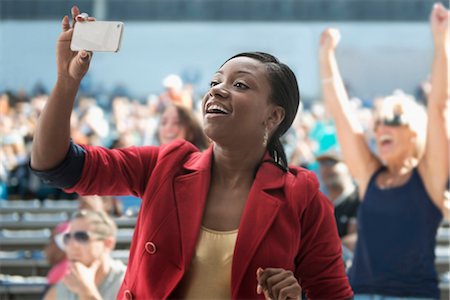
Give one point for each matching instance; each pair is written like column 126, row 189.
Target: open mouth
column 169, row 136
column 386, row 140
column 216, row 109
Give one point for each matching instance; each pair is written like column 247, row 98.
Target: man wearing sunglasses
column 92, row 274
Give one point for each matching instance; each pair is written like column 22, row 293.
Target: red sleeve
column 116, row 172
column 319, row 262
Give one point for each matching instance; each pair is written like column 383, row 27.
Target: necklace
column 388, row 181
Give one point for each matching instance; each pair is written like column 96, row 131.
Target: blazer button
column 150, row 247
column 128, row 295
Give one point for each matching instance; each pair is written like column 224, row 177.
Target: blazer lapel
column 259, row 213
column 190, row 195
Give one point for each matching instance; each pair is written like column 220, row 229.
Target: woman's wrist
column 67, row 83
column 326, row 54
column 328, row 80
column 441, row 48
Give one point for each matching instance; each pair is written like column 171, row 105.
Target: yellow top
column 209, row 276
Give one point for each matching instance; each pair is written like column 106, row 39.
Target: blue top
column 394, row 254
column 68, row 172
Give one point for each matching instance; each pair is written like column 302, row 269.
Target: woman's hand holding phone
column 72, row 65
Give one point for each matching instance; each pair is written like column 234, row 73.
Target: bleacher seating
column 47, row 206
column 27, row 220
column 25, row 227
column 19, row 287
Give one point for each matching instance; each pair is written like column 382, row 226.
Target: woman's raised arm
column 356, row 153
column 51, row 140
column 434, row 166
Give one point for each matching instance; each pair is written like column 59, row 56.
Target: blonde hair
column 412, row 114
column 103, row 225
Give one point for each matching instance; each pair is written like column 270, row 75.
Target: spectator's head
column 54, row 250
column 91, row 237
column 110, row 205
column 400, row 128
column 173, row 83
column 333, row 171
column 93, row 202
column 124, row 140
column 177, row 122
column 260, row 96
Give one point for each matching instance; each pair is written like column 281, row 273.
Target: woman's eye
column 241, row 85
column 213, row 83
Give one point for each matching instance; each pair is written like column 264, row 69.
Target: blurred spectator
column 92, row 274
column 55, row 255
column 39, row 89
column 93, row 125
column 342, row 191
column 124, row 140
column 109, row 204
column 303, row 155
column 423, row 91
column 177, row 122
column 175, row 93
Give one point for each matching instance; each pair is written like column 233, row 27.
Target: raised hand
column 278, row 284
column 439, row 25
column 329, row 40
column 71, row 65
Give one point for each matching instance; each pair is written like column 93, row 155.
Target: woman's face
column 84, row 251
column 394, row 142
column 237, row 104
column 170, row 127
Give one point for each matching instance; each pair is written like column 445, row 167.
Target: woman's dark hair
column 285, row 93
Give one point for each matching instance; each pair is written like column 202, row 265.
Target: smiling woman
column 403, row 187
column 177, row 122
column 234, row 221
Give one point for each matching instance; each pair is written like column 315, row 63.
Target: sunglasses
column 81, row 237
column 396, row 121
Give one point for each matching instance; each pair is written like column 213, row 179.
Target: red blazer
column 287, row 223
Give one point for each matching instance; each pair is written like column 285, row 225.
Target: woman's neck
column 401, row 167
column 232, row 167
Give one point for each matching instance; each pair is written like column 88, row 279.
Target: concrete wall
column 375, row 57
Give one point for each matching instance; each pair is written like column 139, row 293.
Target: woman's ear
column 413, row 136
column 110, row 243
column 276, row 116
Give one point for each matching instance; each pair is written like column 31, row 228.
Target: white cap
column 173, row 81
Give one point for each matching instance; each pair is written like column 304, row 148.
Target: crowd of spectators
column 123, row 121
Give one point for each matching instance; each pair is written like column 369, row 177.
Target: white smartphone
column 104, row 36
